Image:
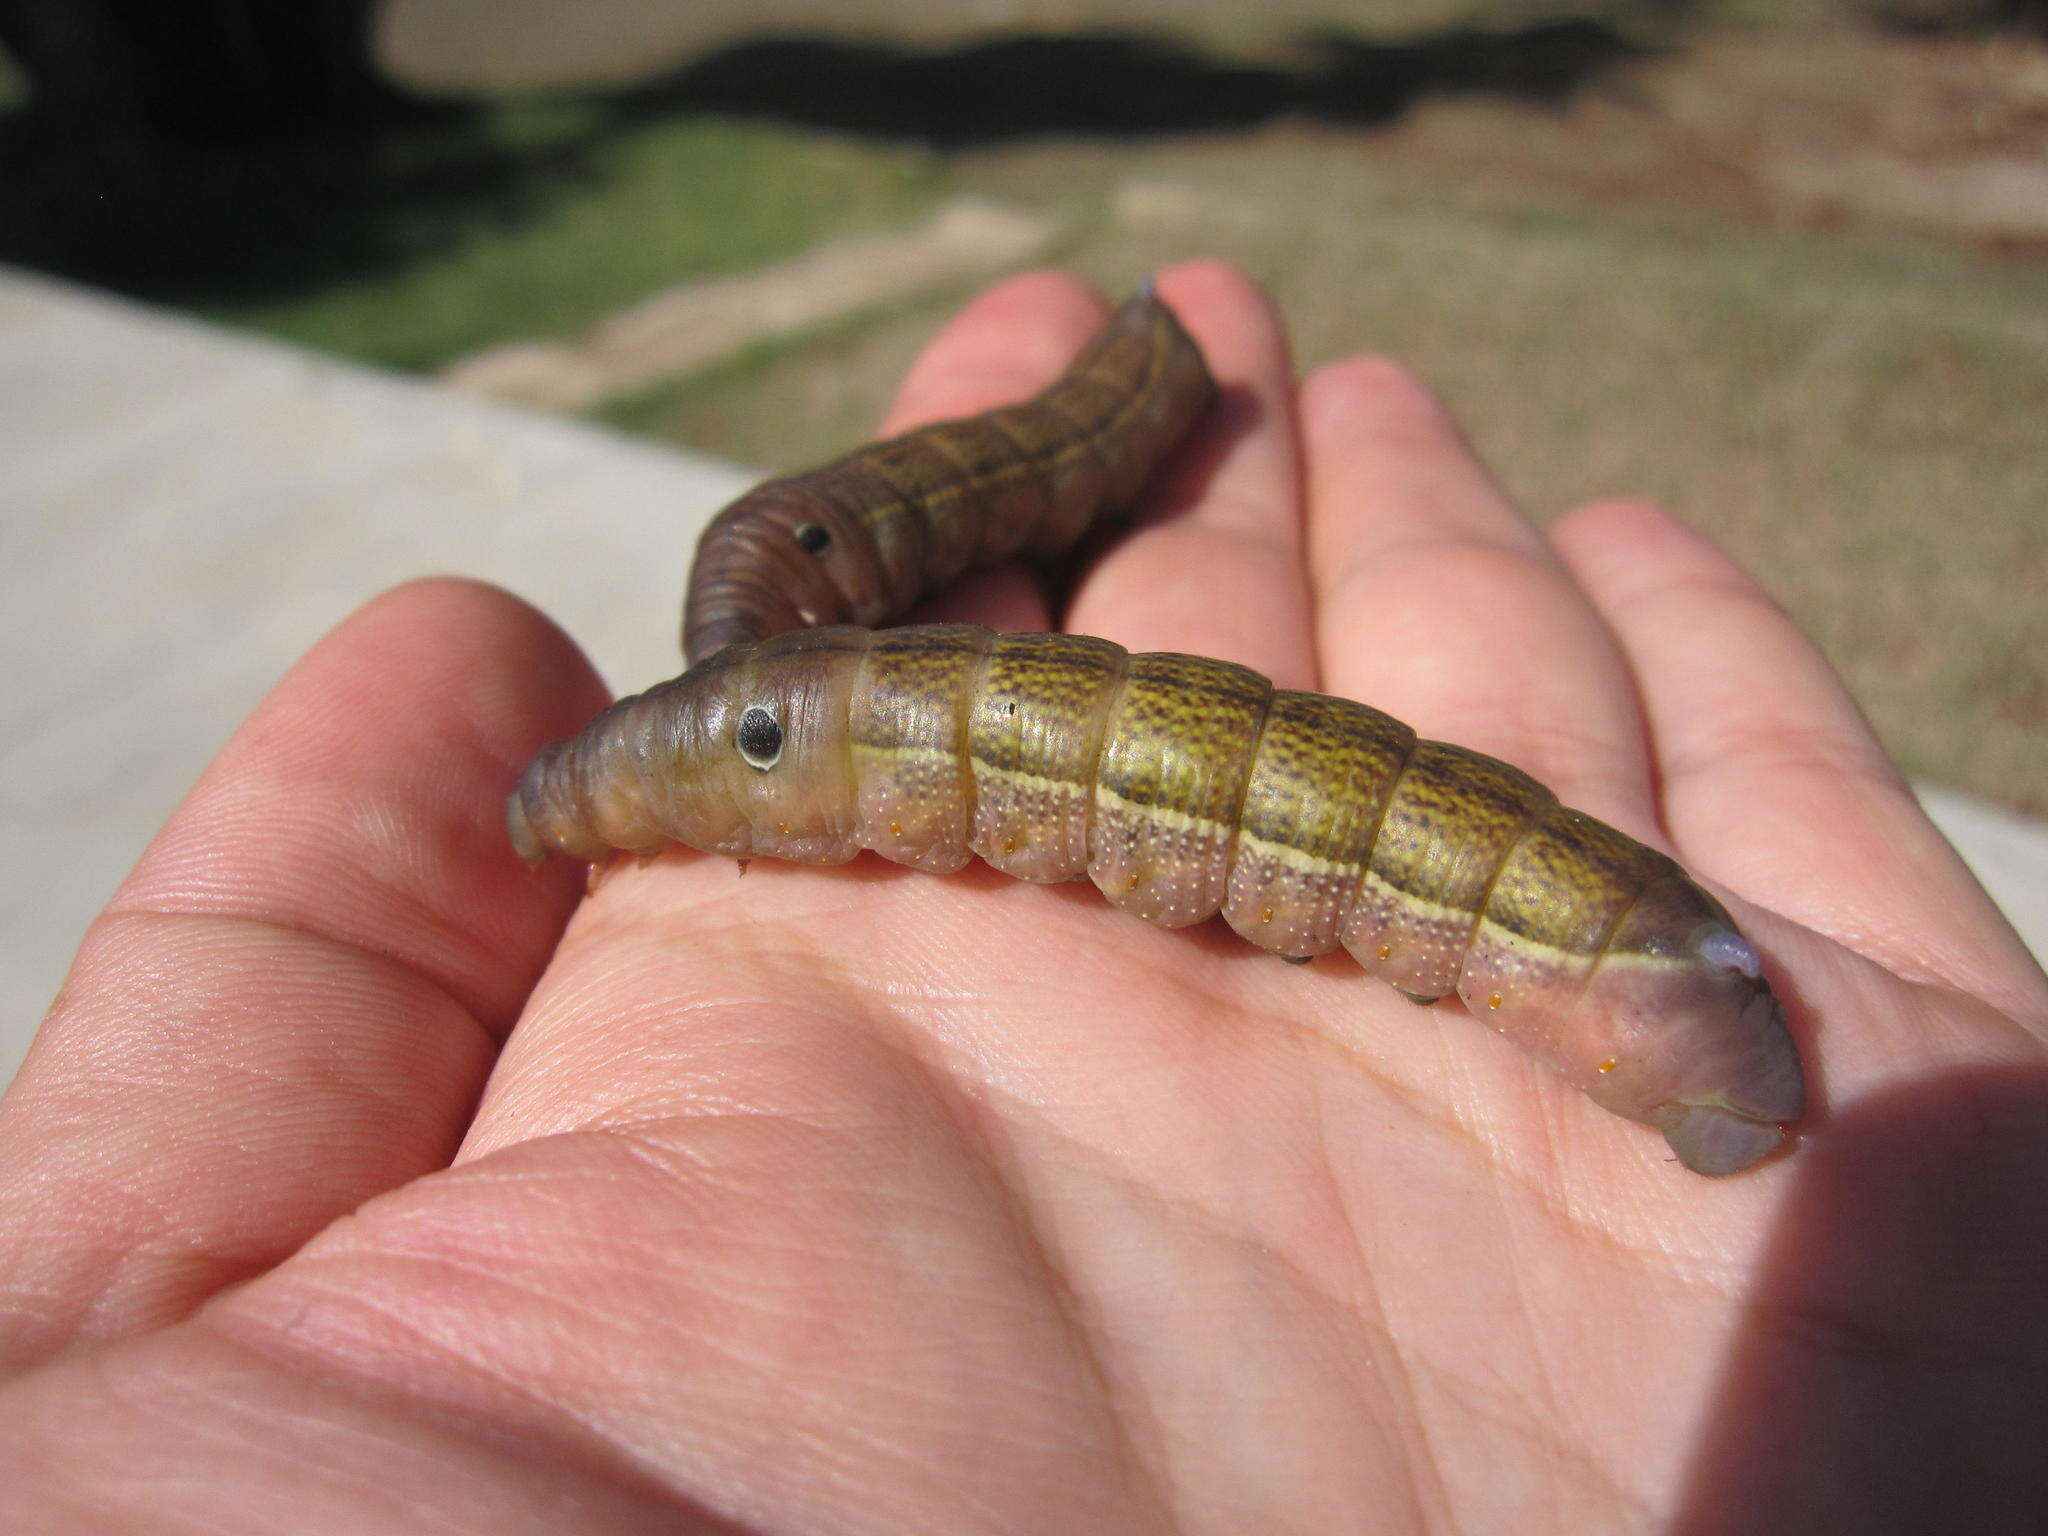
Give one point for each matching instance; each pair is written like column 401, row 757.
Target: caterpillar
column 1182, row 787
column 861, row 539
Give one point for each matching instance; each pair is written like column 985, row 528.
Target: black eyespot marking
column 759, row 738
column 813, row 539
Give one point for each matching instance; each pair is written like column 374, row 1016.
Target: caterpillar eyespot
column 1181, row 787
column 759, row 739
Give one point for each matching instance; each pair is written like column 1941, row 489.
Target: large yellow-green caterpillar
column 1182, row 787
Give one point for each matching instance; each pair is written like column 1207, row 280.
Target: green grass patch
column 431, row 238
column 14, row 91
column 634, row 211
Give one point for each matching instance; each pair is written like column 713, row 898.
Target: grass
column 644, row 209
column 477, row 225
column 13, row 85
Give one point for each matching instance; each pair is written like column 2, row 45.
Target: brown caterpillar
column 861, row 539
column 1182, row 787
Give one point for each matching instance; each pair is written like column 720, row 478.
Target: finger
column 1439, row 603
column 1006, row 345
column 1772, row 781
column 1214, row 564
column 292, row 1003
column 1006, row 598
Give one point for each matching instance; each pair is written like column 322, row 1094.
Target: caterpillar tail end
column 1716, row 1141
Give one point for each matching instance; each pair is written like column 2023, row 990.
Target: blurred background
column 1782, row 266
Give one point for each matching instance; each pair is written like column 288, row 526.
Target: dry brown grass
column 1858, row 418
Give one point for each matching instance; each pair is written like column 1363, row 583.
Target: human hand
column 854, row 1199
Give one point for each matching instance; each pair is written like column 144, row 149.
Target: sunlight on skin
column 864, row 1200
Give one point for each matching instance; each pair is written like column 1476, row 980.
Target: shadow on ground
column 1891, row 1373
column 1025, row 86
column 204, row 221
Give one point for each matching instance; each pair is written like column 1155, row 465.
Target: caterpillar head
column 744, row 754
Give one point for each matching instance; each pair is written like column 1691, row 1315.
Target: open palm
column 855, row 1200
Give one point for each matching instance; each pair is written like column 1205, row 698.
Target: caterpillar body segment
column 862, row 538
column 1184, row 787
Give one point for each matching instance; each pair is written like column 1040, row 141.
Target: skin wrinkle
column 740, row 937
column 1147, row 1483
column 663, row 1158
column 307, row 1278
column 1474, row 1126
column 87, row 1088
column 340, row 1382
column 216, row 1427
column 1712, row 590
column 168, row 886
column 1020, row 1227
column 1555, row 1403
column 1102, row 1164
column 138, row 1268
column 1876, row 942
column 1383, row 565
column 291, row 1351
column 1513, row 1416
column 630, row 1118
column 1510, row 1413
column 342, row 945
column 113, row 1267
column 837, row 991
column 1768, row 749
column 387, row 1103
column 1426, row 1486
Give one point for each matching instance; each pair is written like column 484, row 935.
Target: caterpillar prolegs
column 1182, row 787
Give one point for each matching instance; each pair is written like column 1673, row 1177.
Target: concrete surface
column 183, row 510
